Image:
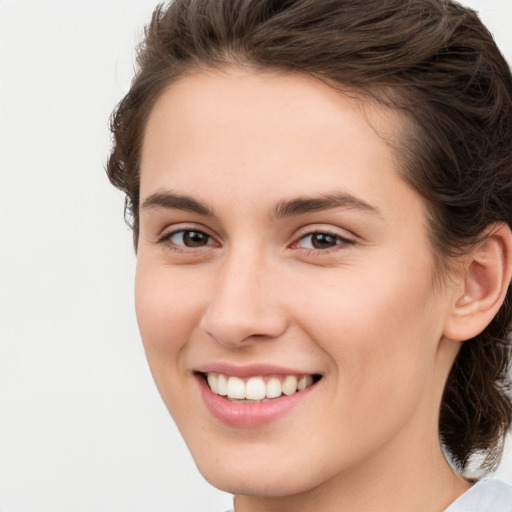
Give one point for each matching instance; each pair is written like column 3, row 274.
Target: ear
column 484, row 283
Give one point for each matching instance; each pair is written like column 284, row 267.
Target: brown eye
column 322, row 241
column 189, row 238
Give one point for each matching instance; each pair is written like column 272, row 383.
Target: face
column 282, row 259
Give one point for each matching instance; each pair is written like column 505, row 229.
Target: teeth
column 213, row 382
column 273, row 388
column 304, row 382
column 290, row 385
column 222, row 385
column 236, row 388
column 257, row 388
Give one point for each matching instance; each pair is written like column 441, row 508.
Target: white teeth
column 222, row 385
column 213, row 380
column 256, row 389
column 304, row 382
column 289, row 385
column 273, row 388
column 236, row 388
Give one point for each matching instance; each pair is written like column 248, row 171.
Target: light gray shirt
column 484, row 496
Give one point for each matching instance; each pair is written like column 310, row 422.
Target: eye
column 322, row 241
column 189, row 238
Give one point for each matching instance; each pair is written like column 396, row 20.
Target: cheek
column 379, row 333
column 166, row 313
column 378, row 326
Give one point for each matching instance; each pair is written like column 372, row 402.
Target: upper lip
column 251, row 370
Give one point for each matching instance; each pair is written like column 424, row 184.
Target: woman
column 321, row 199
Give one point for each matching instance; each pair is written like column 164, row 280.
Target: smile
column 252, row 401
column 257, row 389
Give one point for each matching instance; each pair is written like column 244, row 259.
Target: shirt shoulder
column 484, row 496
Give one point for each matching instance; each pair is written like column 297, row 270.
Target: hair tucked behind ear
column 432, row 59
column 476, row 408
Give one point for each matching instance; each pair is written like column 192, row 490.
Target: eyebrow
column 282, row 209
column 170, row 200
column 302, row 205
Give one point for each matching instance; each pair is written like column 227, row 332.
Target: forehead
column 238, row 122
column 241, row 143
column 255, row 99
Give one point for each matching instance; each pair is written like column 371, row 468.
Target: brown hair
column 432, row 59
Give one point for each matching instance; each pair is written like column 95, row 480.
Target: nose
column 244, row 305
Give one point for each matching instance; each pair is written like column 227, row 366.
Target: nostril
column 236, row 317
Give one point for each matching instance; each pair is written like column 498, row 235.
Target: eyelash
column 166, row 239
column 340, row 242
column 181, row 248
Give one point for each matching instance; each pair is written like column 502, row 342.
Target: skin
column 362, row 312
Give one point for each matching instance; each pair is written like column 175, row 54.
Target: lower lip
column 253, row 415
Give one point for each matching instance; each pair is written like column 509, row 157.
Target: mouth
column 258, row 388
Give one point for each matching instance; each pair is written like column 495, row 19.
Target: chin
column 259, row 476
column 257, row 482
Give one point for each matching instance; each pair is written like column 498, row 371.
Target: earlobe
column 486, row 278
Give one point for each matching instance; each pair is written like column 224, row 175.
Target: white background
column 81, row 425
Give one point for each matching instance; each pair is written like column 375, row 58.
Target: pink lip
column 248, row 371
column 254, row 415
